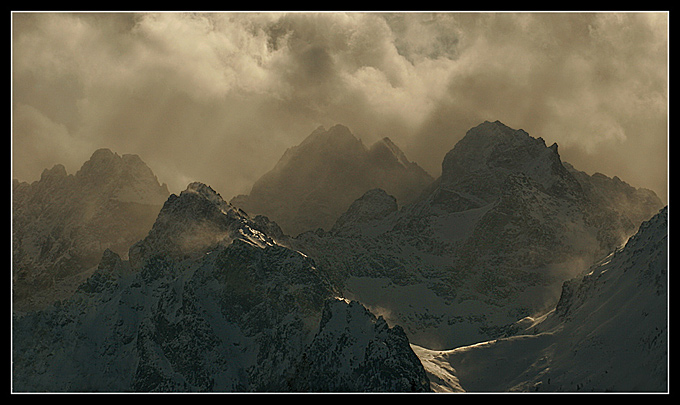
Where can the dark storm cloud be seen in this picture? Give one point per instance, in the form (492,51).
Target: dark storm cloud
(219,97)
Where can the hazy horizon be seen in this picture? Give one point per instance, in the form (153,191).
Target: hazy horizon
(218,97)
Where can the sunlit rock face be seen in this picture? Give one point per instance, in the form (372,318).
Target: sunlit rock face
(62,223)
(317,180)
(209,302)
(491,241)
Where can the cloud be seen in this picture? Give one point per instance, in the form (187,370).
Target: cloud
(594,83)
(218,97)
(42,140)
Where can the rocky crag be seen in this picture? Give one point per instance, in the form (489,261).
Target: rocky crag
(315,181)
(209,301)
(62,223)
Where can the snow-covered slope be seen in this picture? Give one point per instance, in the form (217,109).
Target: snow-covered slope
(62,223)
(608,332)
(489,243)
(209,301)
(315,181)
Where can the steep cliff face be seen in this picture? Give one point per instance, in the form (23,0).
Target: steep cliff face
(209,302)
(63,223)
(314,182)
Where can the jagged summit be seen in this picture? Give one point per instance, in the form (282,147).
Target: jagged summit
(63,223)
(206,192)
(315,181)
(102,165)
(57,171)
(198,202)
(481,162)
(494,146)
(336,134)
(126,178)
(197,220)
(337,142)
(636,204)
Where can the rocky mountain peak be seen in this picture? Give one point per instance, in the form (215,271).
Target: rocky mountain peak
(207,193)
(315,181)
(125,178)
(56,172)
(196,221)
(103,162)
(492,146)
(337,138)
(63,223)
(208,303)
(480,162)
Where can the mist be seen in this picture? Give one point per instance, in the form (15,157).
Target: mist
(219,97)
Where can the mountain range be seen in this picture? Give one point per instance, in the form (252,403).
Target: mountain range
(492,277)
(491,240)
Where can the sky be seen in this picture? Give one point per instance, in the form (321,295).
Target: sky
(218,97)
